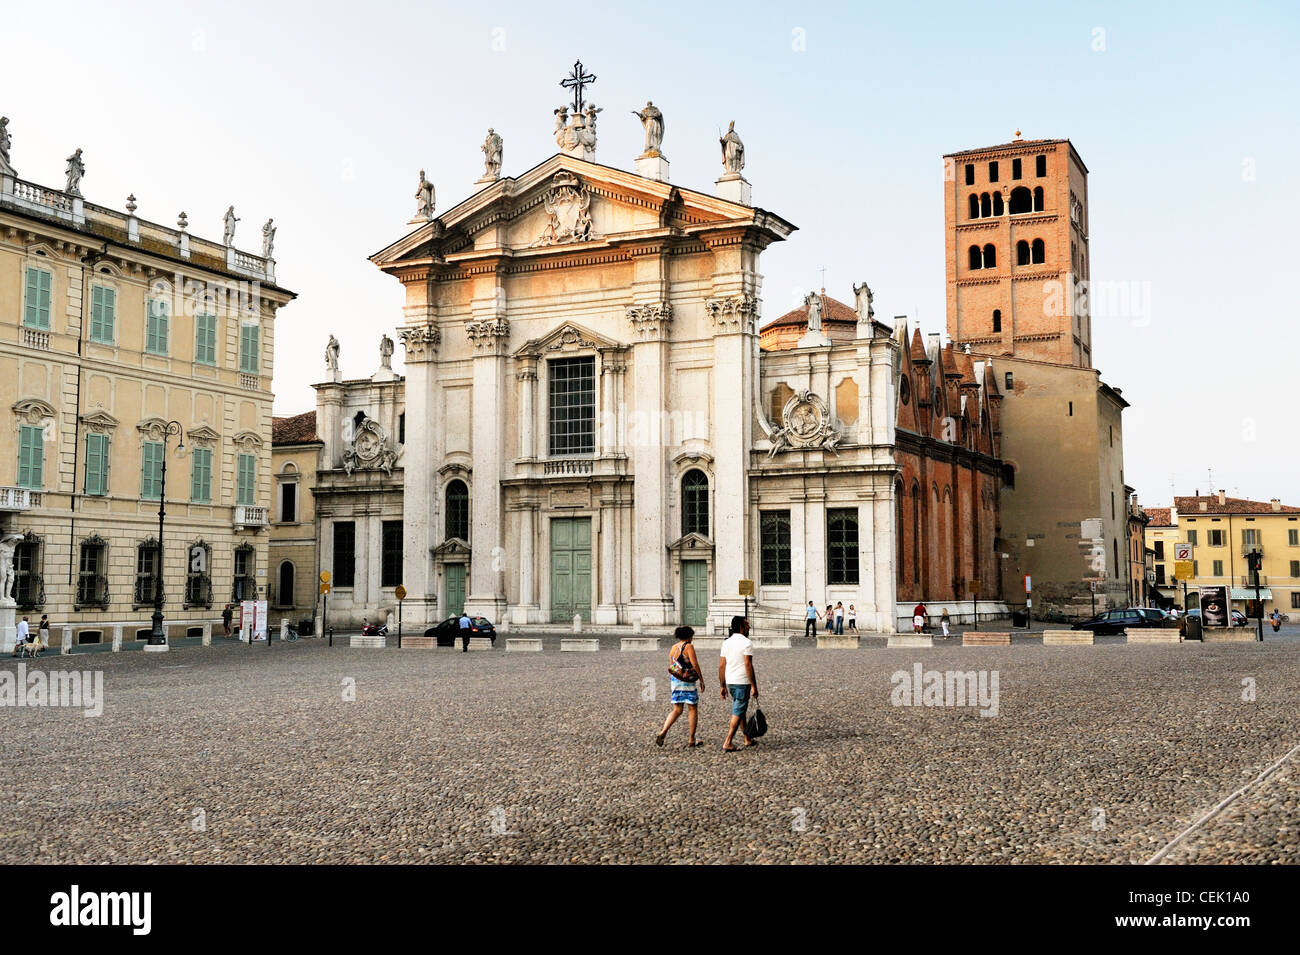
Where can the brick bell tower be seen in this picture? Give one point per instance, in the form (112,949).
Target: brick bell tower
(1016,228)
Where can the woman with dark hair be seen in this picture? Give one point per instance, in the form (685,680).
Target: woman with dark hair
(686,679)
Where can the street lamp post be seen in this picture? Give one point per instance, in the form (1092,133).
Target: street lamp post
(157,637)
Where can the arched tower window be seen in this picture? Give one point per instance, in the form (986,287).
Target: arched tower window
(997,203)
(975,257)
(1040,251)
(695,503)
(1022,252)
(1022,200)
(990,256)
(997,319)
(284,591)
(974,206)
(1038,198)
(457,511)
(986,205)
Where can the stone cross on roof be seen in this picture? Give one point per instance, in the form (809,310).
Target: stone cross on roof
(576,81)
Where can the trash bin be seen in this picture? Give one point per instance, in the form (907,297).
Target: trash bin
(305,627)
(1019,618)
(1193,625)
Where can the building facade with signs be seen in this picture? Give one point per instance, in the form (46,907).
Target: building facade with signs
(114,331)
(293,591)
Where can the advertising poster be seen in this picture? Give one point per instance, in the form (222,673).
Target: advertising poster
(1214,606)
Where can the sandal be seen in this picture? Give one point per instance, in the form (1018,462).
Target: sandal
(694,744)
(731,749)
(659,739)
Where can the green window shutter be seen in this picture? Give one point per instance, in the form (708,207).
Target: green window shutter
(37,312)
(103,310)
(31,457)
(205,339)
(151,471)
(157,333)
(248,335)
(247,475)
(96,464)
(201,476)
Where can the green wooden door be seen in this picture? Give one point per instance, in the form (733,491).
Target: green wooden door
(570,568)
(455,589)
(695,593)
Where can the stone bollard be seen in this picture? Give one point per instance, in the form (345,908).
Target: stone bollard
(117,637)
(636,625)
(284,629)
(577,623)
(392,623)
(207,634)
(67,640)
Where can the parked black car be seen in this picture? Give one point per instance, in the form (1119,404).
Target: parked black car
(1117,621)
(1239,619)
(448,632)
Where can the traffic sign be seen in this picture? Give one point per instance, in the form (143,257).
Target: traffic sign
(400,592)
(324,576)
(1182,552)
(1184,570)
(324,588)
(1029,584)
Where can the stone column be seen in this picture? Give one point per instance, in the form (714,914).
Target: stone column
(651,594)
(525,611)
(607,606)
(420,473)
(489,336)
(527,378)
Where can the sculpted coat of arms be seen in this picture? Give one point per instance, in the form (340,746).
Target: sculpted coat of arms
(369,449)
(805,423)
(568,209)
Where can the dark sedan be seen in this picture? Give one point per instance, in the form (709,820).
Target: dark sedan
(448,632)
(1117,621)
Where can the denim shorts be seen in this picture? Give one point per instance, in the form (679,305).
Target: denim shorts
(739,698)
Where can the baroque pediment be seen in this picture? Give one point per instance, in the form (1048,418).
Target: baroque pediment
(567,337)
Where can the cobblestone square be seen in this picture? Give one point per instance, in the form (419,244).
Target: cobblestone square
(230,754)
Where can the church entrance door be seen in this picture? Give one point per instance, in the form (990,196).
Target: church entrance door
(455,589)
(570,568)
(695,592)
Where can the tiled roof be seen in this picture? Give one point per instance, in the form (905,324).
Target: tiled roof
(1160,516)
(296,429)
(833,310)
(1231,505)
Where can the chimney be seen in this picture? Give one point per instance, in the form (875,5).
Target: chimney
(1275,503)
(1223,497)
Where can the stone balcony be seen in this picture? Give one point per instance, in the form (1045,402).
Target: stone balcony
(247,516)
(18,499)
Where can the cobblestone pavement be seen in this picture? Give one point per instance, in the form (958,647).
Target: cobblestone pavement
(232,754)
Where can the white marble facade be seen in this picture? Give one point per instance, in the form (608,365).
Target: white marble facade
(654,290)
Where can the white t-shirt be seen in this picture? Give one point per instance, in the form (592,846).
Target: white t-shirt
(734,650)
(21,635)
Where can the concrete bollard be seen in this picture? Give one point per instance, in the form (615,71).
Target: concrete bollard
(636,625)
(392,623)
(577,623)
(117,638)
(207,634)
(67,640)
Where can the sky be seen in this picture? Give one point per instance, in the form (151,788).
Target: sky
(323,114)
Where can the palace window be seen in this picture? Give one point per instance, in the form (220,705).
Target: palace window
(842,546)
(975,257)
(345,561)
(289,502)
(993,172)
(990,256)
(1009,380)
(198,576)
(201,476)
(573,405)
(457,516)
(1022,200)
(1293,537)
(29,583)
(695,503)
(248,354)
(1191,538)
(96,464)
(1038,198)
(92,582)
(1015,169)
(390,571)
(974,206)
(997,203)
(36,311)
(151,468)
(1295,568)
(245,583)
(157,334)
(1216,538)
(997,319)
(146,573)
(103,309)
(1040,165)
(774,532)
(246,480)
(31,457)
(970,174)
(205,339)
(1218,568)
(1022,252)
(986,205)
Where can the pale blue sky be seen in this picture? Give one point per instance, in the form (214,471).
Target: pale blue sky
(321,115)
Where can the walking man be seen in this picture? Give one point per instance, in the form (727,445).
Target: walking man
(736,678)
(918,617)
(227,616)
(810,623)
(21,636)
(464,632)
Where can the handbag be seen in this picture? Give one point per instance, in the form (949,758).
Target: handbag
(680,667)
(756,724)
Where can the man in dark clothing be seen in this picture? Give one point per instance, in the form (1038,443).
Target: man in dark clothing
(226,616)
(464,632)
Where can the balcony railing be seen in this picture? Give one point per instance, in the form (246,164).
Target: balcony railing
(15,499)
(92,592)
(198,591)
(248,516)
(1249,581)
(568,466)
(29,591)
(245,588)
(1249,546)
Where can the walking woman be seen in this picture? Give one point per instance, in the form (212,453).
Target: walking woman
(686,679)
